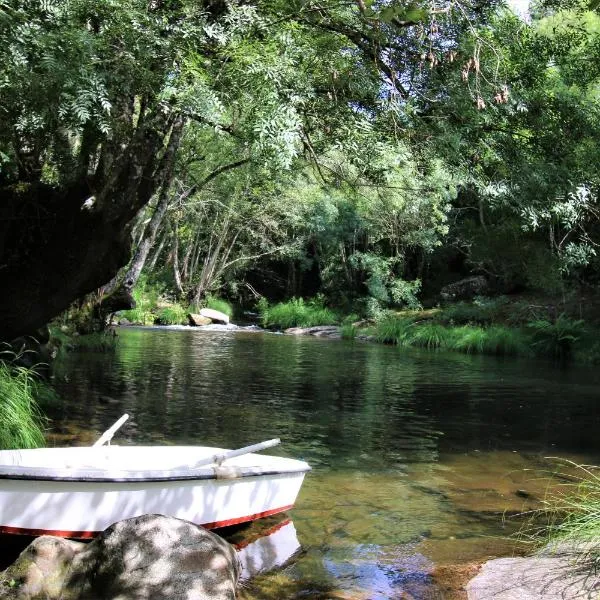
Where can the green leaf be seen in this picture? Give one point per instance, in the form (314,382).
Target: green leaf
(594,4)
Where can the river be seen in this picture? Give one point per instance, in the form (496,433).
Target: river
(419,458)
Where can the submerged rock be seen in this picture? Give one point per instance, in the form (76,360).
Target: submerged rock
(465,289)
(151,556)
(215,316)
(330,331)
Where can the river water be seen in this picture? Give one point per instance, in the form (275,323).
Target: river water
(419,458)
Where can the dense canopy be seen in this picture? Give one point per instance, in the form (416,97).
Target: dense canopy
(361,149)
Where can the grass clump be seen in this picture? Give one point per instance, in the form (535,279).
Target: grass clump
(297,313)
(570,517)
(21,420)
(171,315)
(348,331)
(393,330)
(468,339)
(220,305)
(428,335)
(503,341)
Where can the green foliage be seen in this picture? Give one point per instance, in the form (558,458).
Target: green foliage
(503,341)
(21,421)
(146,296)
(348,331)
(172,315)
(105,341)
(555,339)
(298,313)
(570,516)
(468,339)
(220,305)
(391,329)
(428,335)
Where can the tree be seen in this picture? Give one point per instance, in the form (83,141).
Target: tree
(97,95)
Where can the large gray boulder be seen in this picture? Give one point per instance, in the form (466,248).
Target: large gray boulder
(215,316)
(151,556)
(465,289)
(196,320)
(328,331)
(550,577)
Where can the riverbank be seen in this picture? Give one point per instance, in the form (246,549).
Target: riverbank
(501,326)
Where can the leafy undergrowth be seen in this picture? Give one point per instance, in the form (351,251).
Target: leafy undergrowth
(472,331)
(297,313)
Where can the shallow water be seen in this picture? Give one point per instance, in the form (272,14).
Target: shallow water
(419,459)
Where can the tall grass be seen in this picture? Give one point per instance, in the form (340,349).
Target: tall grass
(393,330)
(220,305)
(172,315)
(428,335)
(297,313)
(21,420)
(468,339)
(570,517)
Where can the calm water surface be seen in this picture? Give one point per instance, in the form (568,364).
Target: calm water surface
(419,459)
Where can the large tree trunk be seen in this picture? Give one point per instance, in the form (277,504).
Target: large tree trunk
(59,244)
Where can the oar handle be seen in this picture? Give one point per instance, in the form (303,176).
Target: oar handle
(108,434)
(217,459)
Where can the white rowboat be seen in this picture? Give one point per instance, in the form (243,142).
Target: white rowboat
(79,492)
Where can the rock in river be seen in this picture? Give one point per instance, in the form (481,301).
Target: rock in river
(552,576)
(198,320)
(215,316)
(151,556)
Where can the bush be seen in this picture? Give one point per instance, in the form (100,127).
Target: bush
(297,313)
(20,418)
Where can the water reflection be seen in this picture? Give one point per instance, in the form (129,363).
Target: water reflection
(417,457)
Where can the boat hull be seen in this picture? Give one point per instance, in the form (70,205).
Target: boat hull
(82,502)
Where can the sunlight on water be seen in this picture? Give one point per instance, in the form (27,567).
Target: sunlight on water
(419,459)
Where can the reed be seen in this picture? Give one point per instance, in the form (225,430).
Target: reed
(21,420)
(393,330)
(570,516)
(428,335)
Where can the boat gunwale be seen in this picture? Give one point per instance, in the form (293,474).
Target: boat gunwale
(223,473)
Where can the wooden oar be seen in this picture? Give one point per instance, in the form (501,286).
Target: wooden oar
(220,458)
(108,434)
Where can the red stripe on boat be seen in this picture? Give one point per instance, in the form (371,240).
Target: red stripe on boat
(85,535)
